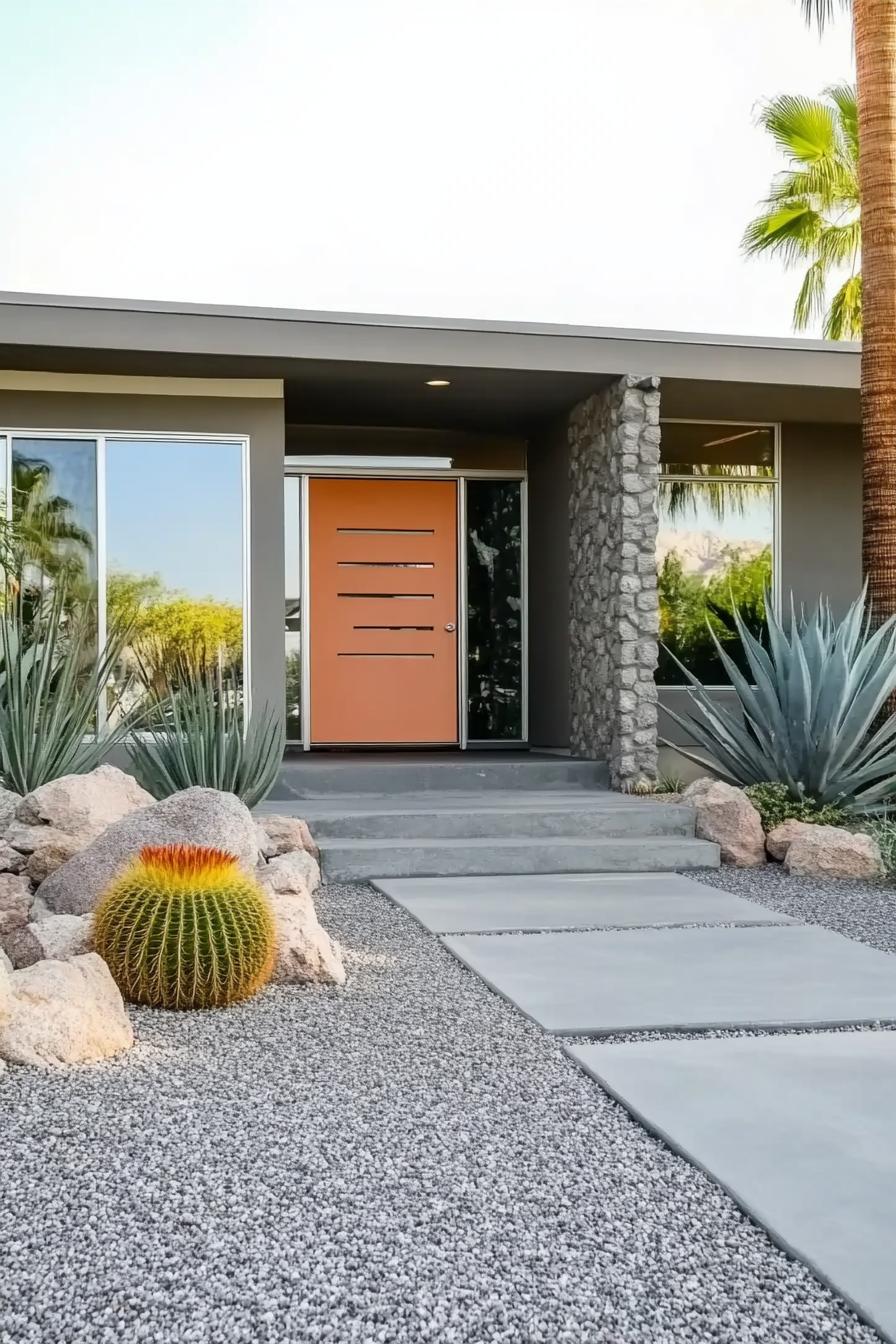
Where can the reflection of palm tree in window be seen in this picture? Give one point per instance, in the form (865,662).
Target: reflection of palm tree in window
(732,491)
(52,540)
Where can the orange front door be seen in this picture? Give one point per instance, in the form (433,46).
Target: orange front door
(383,619)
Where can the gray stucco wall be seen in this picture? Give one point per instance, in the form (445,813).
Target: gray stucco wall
(263,420)
(821,512)
(549,586)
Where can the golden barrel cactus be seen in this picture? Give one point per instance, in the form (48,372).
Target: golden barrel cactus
(183,927)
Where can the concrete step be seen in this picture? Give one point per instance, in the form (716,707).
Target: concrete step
(313,775)
(523,817)
(355,860)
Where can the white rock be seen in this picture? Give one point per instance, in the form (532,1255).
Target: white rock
(84,805)
(295,871)
(829,851)
(5,997)
(25,838)
(726,815)
(64,1012)
(306,954)
(286,833)
(9,801)
(11,860)
(15,902)
(266,847)
(52,852)
(779,840)
(193,817)
(40,910)
(59,937)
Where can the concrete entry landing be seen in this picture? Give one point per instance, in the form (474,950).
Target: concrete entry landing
(568,901)
(799,1129)
(592,984)
(462,814)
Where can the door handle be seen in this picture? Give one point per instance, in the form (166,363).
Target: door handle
(450,627)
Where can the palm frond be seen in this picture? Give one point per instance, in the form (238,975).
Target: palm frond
(843,96)
(812,212)
(844,317)
(810,299)
(791,232)
(804,129)
(840,244)
(821,12)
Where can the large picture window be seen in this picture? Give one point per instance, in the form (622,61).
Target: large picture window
(148,530)
(715,542)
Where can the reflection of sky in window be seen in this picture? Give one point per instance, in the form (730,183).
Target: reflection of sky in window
(752,522)
(73,466)
(175,509)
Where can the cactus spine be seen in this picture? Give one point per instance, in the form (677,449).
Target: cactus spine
(183,927)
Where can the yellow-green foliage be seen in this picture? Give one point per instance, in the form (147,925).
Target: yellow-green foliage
(169,628)
(182,927)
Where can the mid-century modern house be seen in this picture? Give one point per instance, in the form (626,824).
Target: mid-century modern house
(414,532)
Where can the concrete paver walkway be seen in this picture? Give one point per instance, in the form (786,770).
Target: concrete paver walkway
(798,1128)
(595,983)
(568,901)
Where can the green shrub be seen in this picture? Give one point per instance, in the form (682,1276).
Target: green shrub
(182,927)
(775,805)
(883,830)
(809,709)
(196,735)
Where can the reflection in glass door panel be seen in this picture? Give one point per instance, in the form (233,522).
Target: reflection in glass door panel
(292,534)
(494,610)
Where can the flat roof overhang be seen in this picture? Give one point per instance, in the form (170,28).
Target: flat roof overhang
(370,369)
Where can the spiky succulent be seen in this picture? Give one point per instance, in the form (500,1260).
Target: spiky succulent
(811,714)
(196,733)
(183,927)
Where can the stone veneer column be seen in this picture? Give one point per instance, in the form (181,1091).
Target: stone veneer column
(614,440)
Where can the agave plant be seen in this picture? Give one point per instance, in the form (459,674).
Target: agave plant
(196,734)
(809,712)
(53,681)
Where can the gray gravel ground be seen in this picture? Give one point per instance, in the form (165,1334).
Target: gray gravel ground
(865,911)
(407,1159)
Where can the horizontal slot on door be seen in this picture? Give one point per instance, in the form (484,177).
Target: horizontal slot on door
(384,564)
(385,531)
(385,655)
(423,597)
(393,627)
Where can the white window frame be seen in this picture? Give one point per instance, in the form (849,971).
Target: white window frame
(102,437)
(774,484)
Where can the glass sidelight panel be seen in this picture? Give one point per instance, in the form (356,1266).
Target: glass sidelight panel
(494,610)
(292,625)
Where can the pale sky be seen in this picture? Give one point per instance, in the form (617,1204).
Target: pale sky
(585,161)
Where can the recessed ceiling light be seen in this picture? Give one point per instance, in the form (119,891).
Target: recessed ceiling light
(438,382)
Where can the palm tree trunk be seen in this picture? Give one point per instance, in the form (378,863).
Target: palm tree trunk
(875,40)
